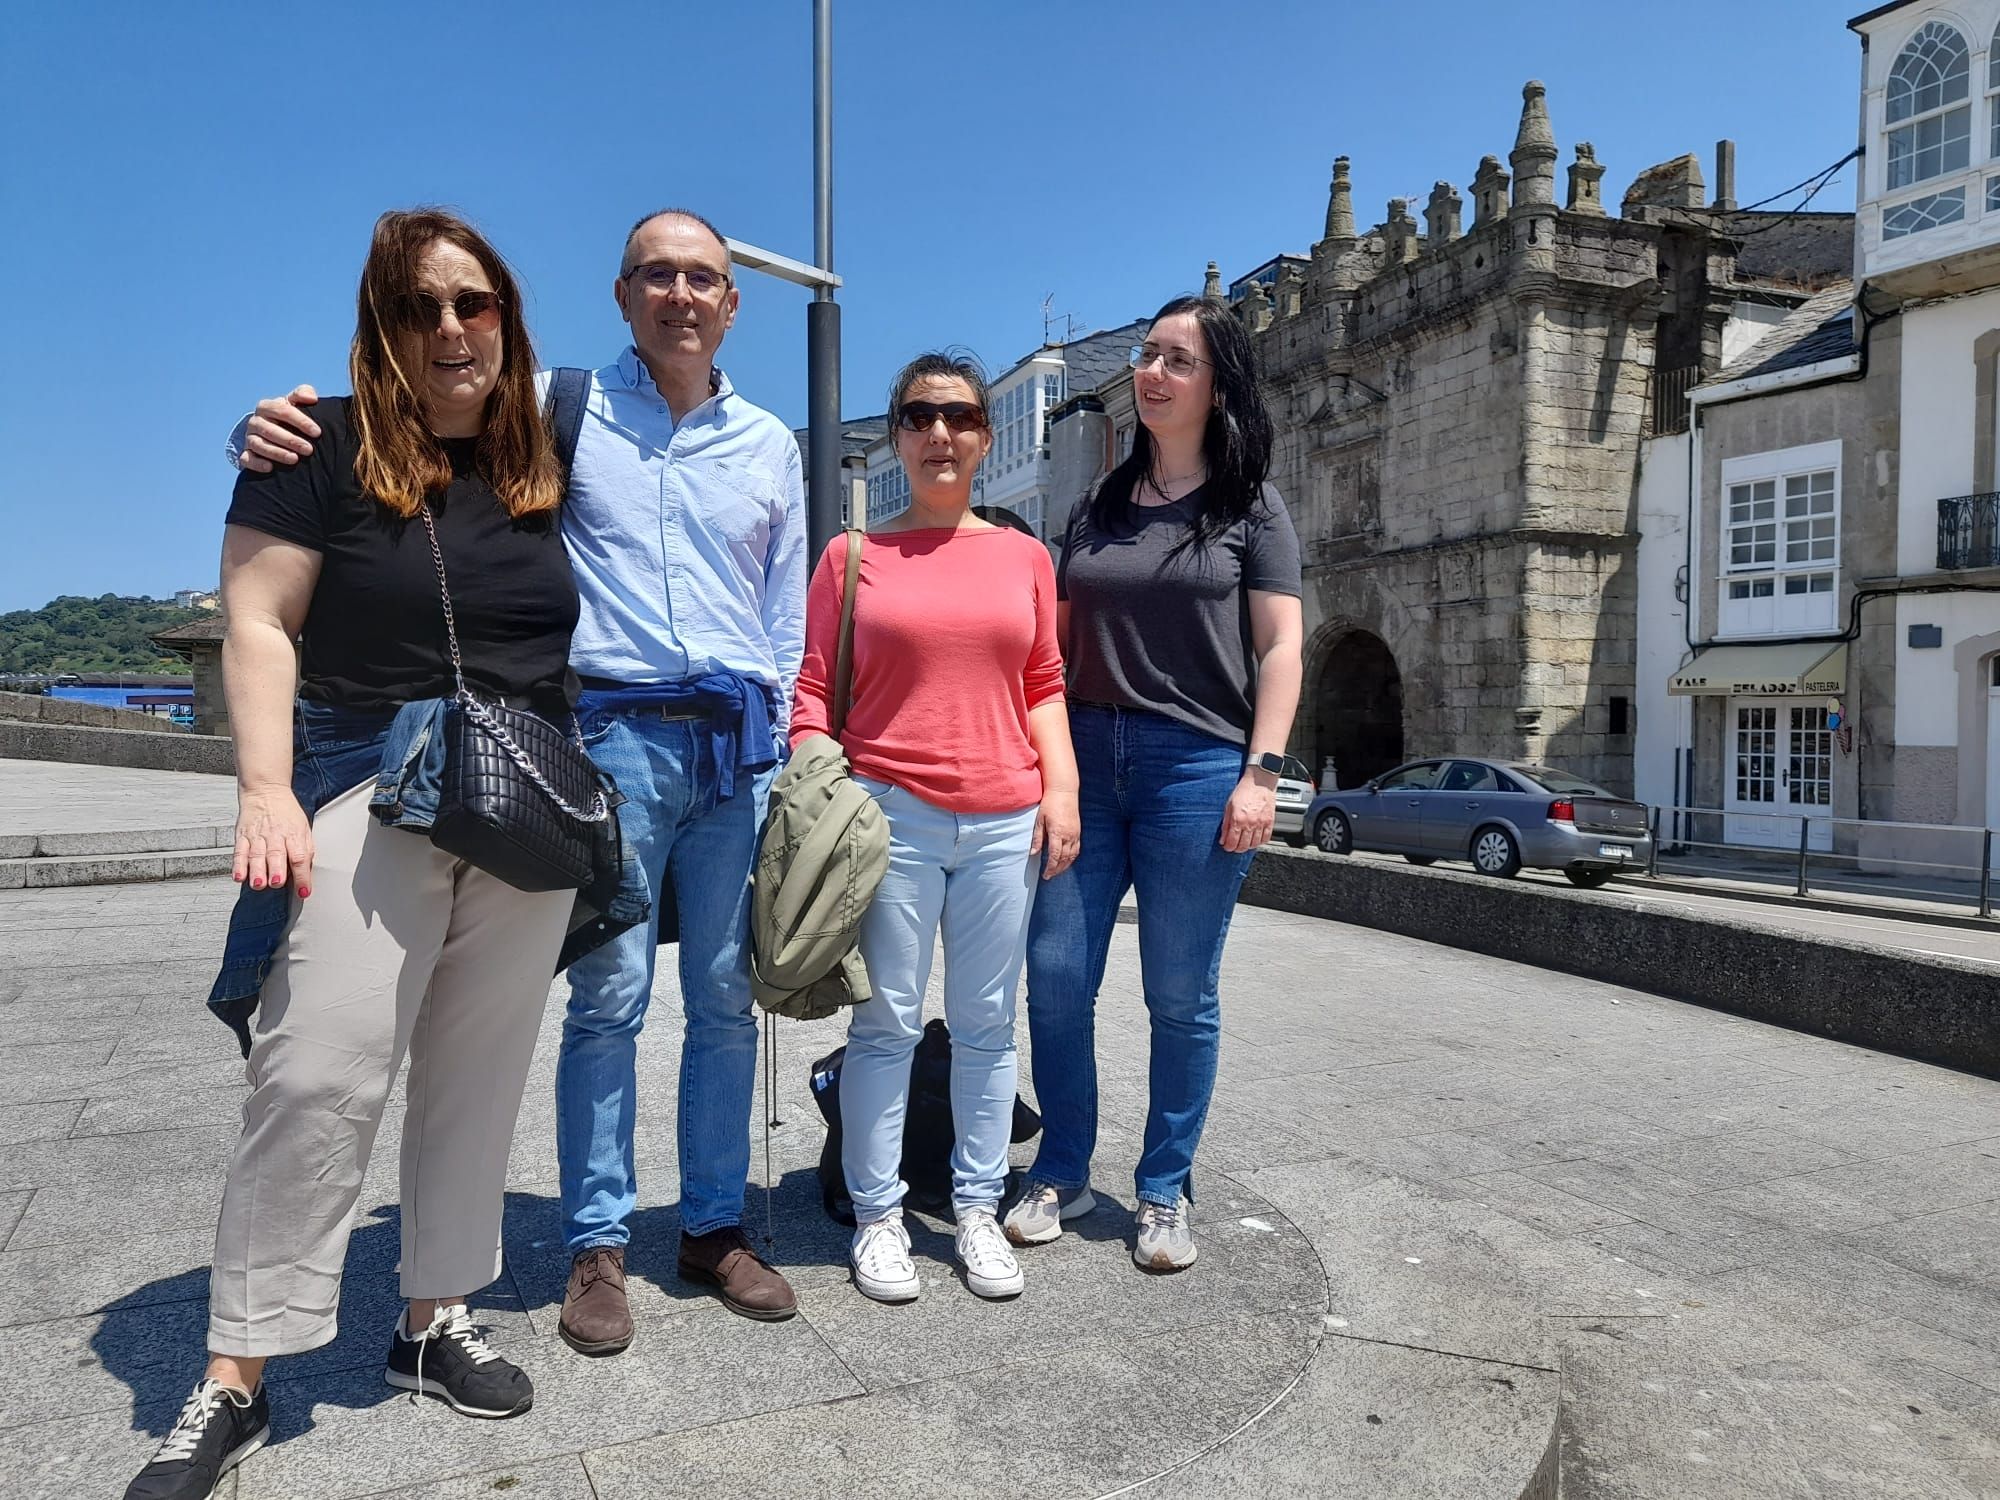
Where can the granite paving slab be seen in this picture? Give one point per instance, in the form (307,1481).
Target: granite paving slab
(1412,1193)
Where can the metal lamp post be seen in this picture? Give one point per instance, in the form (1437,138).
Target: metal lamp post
(824,496)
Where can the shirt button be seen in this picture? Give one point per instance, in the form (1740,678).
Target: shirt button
(662,410)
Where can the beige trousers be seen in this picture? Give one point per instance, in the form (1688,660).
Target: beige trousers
(399,948)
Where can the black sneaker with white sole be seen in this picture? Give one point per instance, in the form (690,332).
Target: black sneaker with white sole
(452,1362)
(217,1429)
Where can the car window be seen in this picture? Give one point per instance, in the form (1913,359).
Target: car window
(1469,776)
(1295,771)
(1418,778)
(1559,782)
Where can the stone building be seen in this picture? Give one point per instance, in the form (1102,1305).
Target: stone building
(1460,414)
(199,643)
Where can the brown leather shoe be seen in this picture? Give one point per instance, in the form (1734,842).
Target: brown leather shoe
(723,1259)
(595,1316)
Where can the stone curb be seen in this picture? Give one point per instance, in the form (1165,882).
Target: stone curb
(113,869)
(1941,1010)
(125,841)
(138,749)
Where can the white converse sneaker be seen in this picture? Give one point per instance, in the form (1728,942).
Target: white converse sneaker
(881,1259)
(990,1267)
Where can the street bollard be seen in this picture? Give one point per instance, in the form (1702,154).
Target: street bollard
(1805,834)
(1653,855)
(1986,875)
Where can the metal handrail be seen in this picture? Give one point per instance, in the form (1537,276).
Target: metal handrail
(1680,837)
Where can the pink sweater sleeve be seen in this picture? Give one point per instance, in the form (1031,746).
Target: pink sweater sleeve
(1042,679)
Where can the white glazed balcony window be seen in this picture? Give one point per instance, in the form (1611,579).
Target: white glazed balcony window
(1928,115)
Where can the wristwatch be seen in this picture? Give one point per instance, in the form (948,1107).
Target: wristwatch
(1275,764)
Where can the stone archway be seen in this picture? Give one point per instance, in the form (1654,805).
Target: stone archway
(1358,709)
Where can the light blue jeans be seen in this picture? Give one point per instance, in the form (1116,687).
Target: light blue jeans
(1152,798)
(969,877)
(675,825)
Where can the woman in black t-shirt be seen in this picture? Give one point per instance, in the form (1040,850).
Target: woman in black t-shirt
(1180,611)
(392,944)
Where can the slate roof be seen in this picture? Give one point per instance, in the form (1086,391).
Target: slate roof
(182,639)
(1097,358)
(1820,328)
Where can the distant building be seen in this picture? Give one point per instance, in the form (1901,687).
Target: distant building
(199,642)
(195,598)
(856,433)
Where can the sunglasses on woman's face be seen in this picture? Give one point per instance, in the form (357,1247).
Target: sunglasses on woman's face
(958,416)
(477,312)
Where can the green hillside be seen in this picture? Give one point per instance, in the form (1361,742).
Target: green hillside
(105,634)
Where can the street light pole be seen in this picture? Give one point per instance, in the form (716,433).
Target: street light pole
(826,497)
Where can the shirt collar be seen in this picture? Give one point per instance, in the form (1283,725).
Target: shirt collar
(632,370)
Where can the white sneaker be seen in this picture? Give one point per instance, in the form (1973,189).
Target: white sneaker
(990,1267)
(881,1259)
(1165,1242)
(1042,1210)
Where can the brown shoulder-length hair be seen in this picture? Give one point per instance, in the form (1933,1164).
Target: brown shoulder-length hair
(401,461)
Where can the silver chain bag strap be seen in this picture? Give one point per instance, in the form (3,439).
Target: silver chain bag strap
(521,800)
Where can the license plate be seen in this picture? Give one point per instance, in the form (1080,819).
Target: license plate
(1614,851)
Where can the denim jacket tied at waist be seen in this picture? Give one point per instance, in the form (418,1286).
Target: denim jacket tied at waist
(336,749)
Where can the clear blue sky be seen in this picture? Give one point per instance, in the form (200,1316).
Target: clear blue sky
(188,189)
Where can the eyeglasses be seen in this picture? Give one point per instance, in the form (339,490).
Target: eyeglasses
(959,416)
(1177,361)
(658,276)
(477,312)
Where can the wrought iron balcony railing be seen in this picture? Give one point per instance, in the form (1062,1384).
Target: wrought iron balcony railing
(1969,532)
(1668,411)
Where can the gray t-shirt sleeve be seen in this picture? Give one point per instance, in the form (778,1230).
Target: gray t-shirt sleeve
(1271,551)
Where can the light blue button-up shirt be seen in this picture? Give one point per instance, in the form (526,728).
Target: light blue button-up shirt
(688,542)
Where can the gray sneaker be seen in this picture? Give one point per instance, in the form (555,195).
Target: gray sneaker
(1039,1214)
(1166,1242)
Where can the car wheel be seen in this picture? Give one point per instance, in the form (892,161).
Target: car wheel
(1494,852)
(1590,878)
(1421,859)
(1333,833)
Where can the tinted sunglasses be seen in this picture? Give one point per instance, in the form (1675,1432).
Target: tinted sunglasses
(959,416)
(477,312)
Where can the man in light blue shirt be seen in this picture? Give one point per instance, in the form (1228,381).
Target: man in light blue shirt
(685,524)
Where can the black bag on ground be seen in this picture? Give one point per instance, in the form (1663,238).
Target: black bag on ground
(928,1130)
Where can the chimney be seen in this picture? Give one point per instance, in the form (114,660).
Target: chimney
(1725,174)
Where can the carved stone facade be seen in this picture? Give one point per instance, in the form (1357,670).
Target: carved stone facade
(1460,417)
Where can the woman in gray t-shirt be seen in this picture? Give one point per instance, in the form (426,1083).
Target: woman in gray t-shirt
(1179,608)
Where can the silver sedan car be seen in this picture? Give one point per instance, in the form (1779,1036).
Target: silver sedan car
(1500,815)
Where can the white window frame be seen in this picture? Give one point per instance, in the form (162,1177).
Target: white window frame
(1941,197)
(1930,35)
(1781,576)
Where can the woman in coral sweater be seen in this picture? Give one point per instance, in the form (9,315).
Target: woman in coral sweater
(957,727)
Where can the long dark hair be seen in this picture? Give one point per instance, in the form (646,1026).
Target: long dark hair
(400,462)
(1235,446)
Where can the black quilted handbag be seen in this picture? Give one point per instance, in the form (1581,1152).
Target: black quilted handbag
(520,800)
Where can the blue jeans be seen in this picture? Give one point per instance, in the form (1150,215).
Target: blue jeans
(1152,798)
(675,826)
(969,876)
